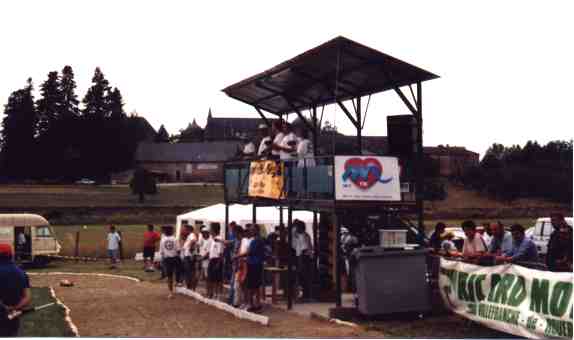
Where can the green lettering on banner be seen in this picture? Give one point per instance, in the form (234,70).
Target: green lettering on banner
(539,296)
(478,287)
(502,288)
(531,323)
(560,328)
(494,280)
(470,287)
(462,282)
(518,293)
(560,300)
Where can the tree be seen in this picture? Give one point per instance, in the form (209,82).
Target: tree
(162,135)
(69,98)
(19,129)
(96,99)
(116,105)
(50,104)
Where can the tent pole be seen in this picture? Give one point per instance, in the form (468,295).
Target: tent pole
(314,273)
(337,259)
(226,221)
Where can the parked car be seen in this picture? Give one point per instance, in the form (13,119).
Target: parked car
(85,181)
(541,233)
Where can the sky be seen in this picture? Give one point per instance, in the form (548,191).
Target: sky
(505,67)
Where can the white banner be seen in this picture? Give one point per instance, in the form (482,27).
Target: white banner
(510,298)
(367,178)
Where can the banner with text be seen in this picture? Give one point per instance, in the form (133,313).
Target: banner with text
(370,178)
(266,179)
(510,298)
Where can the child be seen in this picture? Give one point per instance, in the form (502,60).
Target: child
(114,240)
(168,249)
(215,267)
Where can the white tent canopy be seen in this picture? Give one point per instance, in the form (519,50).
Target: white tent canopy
(242,215)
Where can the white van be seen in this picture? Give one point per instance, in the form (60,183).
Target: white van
(541,233)
(30,236)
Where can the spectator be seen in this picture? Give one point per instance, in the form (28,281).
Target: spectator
(235,292)
(180,271)
(523,248)
(435,239)
(557,220)
(14,291)
(228,250)
(168,248)
(255,258)
(242,269)
(215,266)
(501,241)
(277,132)
(204,251)
(484,232)
(304,148)
(264,149)
(349,243)
(188,251)
(113,246)
(303,250)
(562,251)
(474,245)
(447,245)
(151,238)
(288,145)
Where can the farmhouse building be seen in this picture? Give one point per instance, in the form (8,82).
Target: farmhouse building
(452,159)
(186,162)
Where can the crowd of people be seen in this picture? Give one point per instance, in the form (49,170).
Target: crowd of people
(494,244)
(201,254)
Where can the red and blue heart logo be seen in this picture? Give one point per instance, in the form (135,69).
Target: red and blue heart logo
(364,173)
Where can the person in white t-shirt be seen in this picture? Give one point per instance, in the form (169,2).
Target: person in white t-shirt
(277,131)
(242,263)
(215,267)
(288,145)
(114,240)
(248,151)
(304,148)
(205,245)
(266,142)
(188,251)
(474,246)
(168,249)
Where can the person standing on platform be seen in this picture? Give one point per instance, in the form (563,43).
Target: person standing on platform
(151,238)
(304,148)
(14,292)
(168,248)
(265,145)
(278,134)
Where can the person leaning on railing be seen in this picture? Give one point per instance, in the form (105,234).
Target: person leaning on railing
(523,248)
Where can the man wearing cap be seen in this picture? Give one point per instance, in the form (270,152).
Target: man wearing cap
(14,291)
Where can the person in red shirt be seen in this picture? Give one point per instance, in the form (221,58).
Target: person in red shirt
(151,238)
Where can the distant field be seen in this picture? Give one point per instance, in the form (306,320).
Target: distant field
(53,196)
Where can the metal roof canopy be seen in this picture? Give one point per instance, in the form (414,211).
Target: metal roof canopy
(335,71)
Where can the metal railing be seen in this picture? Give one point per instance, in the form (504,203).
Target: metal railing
(304,179)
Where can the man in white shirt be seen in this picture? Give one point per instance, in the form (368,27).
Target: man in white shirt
(474,246)
(288,145)
(248,151)
(188,252)
(168,249)
(205,245)
(278,134)
(215,267)
(303,250)
(266,141)
(113,246)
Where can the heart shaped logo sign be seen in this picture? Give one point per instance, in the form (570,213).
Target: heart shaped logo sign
(364,173)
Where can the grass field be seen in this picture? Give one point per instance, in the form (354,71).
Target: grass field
(48,322)
(54,196)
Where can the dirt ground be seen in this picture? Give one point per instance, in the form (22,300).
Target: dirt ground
(104,307)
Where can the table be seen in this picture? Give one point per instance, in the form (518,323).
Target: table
(276,275)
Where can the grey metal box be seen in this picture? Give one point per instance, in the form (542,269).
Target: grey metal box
(391,281)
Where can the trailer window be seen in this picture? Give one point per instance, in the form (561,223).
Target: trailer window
(43,231)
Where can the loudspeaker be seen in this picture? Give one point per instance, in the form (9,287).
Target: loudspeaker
(402,135)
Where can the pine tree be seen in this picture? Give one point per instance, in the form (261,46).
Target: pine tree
(70,99)
(162,135)
(49,106)
(116,105)
(96,99)
(19,130)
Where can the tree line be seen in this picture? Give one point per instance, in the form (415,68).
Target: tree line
(531,171)
(58,138)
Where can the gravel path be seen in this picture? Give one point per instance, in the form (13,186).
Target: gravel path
(102,306)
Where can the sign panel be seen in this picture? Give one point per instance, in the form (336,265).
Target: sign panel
(266,179)
(509,298)
(367,178)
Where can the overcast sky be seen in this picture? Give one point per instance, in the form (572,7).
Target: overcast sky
(505,66)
